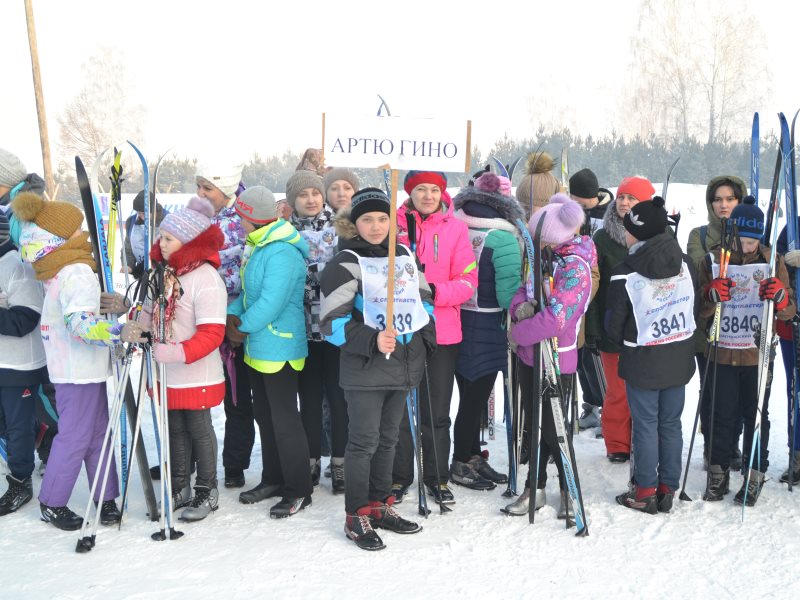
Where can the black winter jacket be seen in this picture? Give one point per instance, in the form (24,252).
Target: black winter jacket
(649,367)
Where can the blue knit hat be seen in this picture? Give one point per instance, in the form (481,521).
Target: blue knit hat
(749,219)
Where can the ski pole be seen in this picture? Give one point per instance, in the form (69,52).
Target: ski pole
(442,508)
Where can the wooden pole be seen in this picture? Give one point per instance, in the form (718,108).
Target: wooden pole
(37,90)
(392,253)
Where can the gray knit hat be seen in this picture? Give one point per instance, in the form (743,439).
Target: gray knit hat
(340,173)
(12,171)
(257,205)
(301,180)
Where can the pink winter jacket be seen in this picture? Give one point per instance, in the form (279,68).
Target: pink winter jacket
(565,306)
(444,249)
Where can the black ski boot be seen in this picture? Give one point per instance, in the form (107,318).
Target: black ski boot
(288,507)
(19,492)
(358,527)
(261,492)
(752,489)
(719,483)
(61,517)
(665,495)
(399,491)
(234,478)
(485,470)
(109,513)
(785,475)
(337,478)
(385,517)
(441,493)
(316,470)
(642,499)
(464,473)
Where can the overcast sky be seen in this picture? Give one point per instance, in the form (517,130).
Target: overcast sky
(256,76)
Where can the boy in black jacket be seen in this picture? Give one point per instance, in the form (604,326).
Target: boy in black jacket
(652,316)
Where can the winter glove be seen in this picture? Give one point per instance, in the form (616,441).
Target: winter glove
(772,289)
(719,290)
(792,258)
(235,337)
(133,332)
(112,302)
(169,353)
(525,310)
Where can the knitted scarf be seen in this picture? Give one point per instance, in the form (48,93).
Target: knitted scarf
(73,251)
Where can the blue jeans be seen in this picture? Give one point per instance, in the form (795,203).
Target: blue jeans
(657,439)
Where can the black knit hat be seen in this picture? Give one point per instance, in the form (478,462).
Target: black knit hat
(646,219)
(369,200)
(583,184)
(138,201)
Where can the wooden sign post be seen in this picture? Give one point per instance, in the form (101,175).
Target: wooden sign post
(396,143)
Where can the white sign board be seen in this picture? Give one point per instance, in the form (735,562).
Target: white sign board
(402,143)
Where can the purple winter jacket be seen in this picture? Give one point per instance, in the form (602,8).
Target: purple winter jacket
(564,307)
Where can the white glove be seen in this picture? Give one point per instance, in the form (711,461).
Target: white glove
(525,310)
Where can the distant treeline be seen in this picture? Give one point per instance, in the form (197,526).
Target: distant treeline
(611,157)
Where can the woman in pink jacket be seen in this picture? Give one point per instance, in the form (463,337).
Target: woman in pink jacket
(426,224)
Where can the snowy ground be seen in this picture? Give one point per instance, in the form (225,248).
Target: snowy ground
(699,550)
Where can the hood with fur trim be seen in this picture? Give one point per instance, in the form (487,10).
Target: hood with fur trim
(612,223)
(506,207)
(345,228)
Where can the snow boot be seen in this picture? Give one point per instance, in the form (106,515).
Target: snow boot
(316,470)
(521,505)
(618,458)
(234,478)
(358,527)
(337,477)
(441,493)
(261,492)
(19,492)
(205,501)
(182,497)
(109,513)
(485,470)
(642,499)
(719,483)
(590,417)
(288,507)
(784,475)
(399,491)
(462,473)
(665,495)
(566,501)
(751,489)
(61,517)
(385,517)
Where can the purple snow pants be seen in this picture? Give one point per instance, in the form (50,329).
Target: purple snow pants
(82,422)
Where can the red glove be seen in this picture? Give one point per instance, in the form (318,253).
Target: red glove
(719,290)
(772,289)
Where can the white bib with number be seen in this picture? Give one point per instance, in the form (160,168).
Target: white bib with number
(478,239)
(409,313)
(663,308)
(741,315)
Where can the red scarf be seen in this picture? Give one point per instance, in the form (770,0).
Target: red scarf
(195,253)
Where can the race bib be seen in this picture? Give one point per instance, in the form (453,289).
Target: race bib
(409,313)
(741,315)
(663,308)
(321,245)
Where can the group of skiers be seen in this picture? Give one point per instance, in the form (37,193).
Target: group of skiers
(278,310)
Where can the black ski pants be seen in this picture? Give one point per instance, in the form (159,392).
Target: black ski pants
(284,448)
(320,377)
(737,400)
(588,377)
(473,396)
(374,427)
(240,430)
(436,385)
(548,440)
(192,436)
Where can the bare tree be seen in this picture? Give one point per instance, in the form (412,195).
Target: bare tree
(698,70)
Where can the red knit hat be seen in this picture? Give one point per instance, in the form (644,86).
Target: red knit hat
(638,187)
(415,178)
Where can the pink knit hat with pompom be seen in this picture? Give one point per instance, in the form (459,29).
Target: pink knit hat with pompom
(491,183)
(563,216)
(187,223)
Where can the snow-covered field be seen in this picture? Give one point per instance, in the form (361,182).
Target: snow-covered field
(699,550)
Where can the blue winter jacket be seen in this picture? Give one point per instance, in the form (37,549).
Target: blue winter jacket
(270,304)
